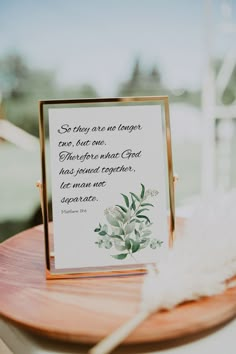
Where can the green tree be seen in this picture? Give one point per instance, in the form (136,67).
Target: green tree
(22,87)
(14,74)
(142,82)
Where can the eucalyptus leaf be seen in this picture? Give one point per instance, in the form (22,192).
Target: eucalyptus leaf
(141,226)
(135,196)
(143,217)
(118,217)
(128,244)
(133,205)
(126,199)
(129,228)
(119,214)
(145,240)
(117,231)
(120,256)
(138,221)
(127,215)
(117,237)
(121,232)
(146,233)
(105,228)
(120,246)
(141,210)
(112,221)
(102,233)
(122,208)
(108,244)
(99,243)
(145,226)
(137,234)
(142,191)
(144,243)
(147,204)
(135,246)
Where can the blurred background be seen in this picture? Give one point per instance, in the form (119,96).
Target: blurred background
(86,48)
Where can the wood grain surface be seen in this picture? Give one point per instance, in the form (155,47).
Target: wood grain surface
(86,310)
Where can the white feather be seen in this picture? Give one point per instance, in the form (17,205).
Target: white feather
(201,260)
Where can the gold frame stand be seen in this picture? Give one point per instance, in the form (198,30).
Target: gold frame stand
(51,272)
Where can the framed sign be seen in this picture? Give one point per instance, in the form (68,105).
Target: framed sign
(107,164)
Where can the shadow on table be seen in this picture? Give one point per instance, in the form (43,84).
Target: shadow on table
(150,348)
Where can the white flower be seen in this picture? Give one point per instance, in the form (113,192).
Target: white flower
(150,193)
(108,210)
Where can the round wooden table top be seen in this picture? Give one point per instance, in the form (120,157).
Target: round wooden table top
(86,310)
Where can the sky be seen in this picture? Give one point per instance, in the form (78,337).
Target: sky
(97,41)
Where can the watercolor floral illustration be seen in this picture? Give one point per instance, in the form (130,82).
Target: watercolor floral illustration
(128,227)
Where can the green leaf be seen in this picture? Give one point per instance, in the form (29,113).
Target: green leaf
(142,191)
(133,205)
(147,204)
(122,208)
(141,225)
(112,221)
(141,210)
(117,237)
(132,220)
(137,234)
(127,215)
(102,233)
(138,221)
(119,245)
(144,243)
(129,228)
(143,217)
(135,196)
(117,230)
(120,256)
(135,246)
(118,217)
(105,228)
(119,214)
(146,225)
(108,244)
(155,243)
(97,229)
(146,233)
(128,244)
(99,243)
(126,199)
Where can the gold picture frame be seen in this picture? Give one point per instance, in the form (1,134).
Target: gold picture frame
(51,272)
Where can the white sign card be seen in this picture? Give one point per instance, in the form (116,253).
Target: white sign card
(108,185)
(109,181)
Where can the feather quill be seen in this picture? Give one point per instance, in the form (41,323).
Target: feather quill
(201,262)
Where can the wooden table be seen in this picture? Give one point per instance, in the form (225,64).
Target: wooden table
(82,311)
